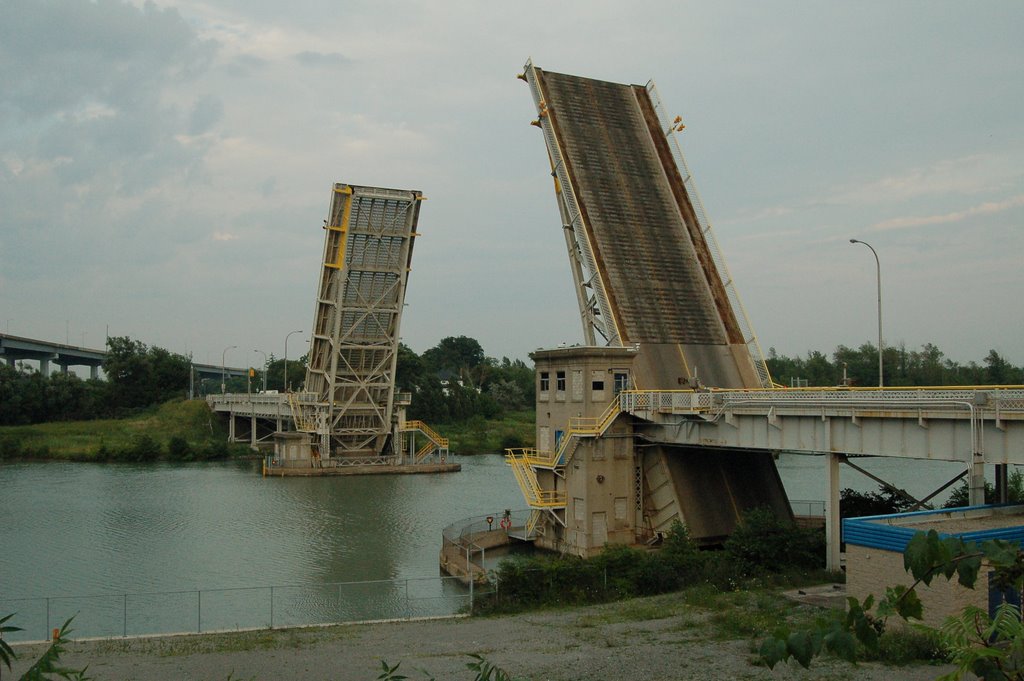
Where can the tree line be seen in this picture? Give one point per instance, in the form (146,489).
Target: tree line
(451,382)
(137,377)
(900,366)
(455,381)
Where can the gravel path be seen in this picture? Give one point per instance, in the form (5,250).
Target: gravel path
(652,638)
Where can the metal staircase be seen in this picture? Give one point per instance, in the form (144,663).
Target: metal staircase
(435,444)
(526,462)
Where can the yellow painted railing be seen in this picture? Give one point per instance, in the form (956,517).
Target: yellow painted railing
(595,426)
(434,440)
(535,496)
(532,522)
(524,461)
(302,422)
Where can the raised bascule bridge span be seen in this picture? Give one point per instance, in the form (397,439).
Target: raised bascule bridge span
(667,412)
(349,418)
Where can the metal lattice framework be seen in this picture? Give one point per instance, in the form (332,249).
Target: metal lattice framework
(595,309)
(350,379)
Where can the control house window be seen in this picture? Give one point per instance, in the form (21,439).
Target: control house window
(545,381)
(560,381)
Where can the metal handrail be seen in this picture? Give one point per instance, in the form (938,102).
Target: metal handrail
(1005,398)
(740,312)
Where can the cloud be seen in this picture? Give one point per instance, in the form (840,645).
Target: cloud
(987,208)
(310,58)
(970,174)
(207,112)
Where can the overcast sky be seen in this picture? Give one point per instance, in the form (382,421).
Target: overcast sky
(165,168)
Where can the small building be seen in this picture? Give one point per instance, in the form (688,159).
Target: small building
(594,479)
(875,546)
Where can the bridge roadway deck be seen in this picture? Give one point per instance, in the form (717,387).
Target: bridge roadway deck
(646,255)
(974,426)
(260,405)
(950,424)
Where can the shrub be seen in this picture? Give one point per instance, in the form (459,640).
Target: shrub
(142,448)
(179,449)
(511,441)
(762,542)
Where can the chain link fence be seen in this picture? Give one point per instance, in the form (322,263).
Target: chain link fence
(236,609)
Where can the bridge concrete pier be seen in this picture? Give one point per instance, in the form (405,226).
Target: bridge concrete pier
(833,523)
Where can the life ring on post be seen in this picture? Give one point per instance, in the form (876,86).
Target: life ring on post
(506,523)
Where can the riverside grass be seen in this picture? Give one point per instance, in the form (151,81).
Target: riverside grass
(479,435)
(190,420)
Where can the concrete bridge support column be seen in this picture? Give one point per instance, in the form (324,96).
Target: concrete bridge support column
(976,481)
(252,431)
(94,372)
(231,426)
(11,362)
(44,366)
(833,525)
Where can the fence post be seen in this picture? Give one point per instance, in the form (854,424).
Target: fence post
(47,637)
(124,629)
(271,607)
(199,612)
(471,580)
(606,579)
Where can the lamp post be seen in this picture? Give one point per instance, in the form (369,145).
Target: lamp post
(223,373)
(878,271)
(264,369)
(286,358)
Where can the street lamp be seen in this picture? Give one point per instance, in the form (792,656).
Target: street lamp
(878,271)
(223,373)
(264,369)
(286,358)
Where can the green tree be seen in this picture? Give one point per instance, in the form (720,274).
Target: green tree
(454,353)
(139,376)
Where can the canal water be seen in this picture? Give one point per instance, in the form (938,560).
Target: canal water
(106,530)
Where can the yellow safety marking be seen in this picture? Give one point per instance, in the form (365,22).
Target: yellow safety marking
(343,228)
(682,355)
(344,190)
(421,198)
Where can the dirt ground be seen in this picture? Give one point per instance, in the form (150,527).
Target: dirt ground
(651,638)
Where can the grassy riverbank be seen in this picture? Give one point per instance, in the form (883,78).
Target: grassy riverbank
(479,435)
(188,429)
(176,429)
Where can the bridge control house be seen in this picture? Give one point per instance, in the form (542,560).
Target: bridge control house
(591,481)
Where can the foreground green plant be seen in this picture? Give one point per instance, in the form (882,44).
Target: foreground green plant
(990,648)
(48,663)
(485,671)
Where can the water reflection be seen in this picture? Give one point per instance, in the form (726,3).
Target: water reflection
(83,529)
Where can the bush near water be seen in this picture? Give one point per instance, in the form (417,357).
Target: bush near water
(763,550)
